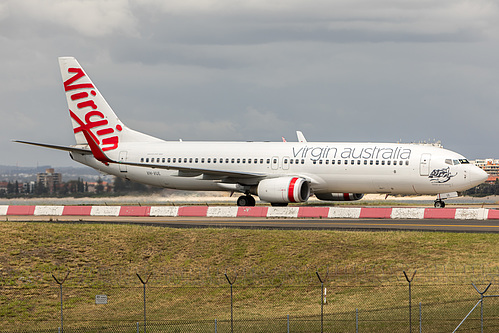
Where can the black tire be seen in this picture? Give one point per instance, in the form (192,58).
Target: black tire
(242,201)
(439,204)
(246,201)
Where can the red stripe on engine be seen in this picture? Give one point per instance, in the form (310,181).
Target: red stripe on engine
(291,190)
(346,196)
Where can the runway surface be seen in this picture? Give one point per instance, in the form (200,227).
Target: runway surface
(446,225)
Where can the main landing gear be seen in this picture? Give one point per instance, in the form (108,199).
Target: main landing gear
(246,201)
(439,203)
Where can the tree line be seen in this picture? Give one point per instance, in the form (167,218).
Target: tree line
(77,187)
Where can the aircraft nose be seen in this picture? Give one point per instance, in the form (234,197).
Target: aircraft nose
(477,176)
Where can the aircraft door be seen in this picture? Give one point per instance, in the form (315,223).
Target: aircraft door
(123,157)
(424,165)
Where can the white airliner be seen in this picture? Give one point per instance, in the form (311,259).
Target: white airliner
(277,172)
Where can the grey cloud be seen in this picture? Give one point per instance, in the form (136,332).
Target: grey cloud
(379,70)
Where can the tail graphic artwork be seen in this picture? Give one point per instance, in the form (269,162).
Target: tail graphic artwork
(88,109)
(91,113)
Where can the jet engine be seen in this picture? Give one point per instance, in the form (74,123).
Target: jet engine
(283,190)
(339,196)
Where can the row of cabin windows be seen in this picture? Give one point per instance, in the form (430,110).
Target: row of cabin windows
(267,161)
(209,160)
(358,162)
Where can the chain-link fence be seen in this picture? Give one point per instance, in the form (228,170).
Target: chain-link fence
(324,302)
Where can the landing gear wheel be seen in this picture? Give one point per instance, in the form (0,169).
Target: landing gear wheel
(439,204)
(246,201)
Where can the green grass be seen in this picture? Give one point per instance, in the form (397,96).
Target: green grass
(275,272)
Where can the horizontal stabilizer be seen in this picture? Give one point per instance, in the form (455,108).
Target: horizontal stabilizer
(65,148)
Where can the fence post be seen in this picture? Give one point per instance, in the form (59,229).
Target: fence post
(481,301)
(356,320)
(322,299)
(231,302)
(144,284)
(60,285)
(420,318)
(410,299)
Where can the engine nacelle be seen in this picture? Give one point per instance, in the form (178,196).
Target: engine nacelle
(339,196)
(283,190)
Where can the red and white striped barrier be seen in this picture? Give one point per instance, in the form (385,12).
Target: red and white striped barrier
(259,211)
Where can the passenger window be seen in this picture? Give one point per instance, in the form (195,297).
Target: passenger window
(371,162)
(302,161)
(352,162)
(339,162)
(388,162)
(320,161)
(290,161)
(314,161)
(249,160)
(221,160)
(238,160)
(226,160)
(185,160)
(261,161)
(327,161)
(142,159)
(365,162)
(147,160)
(275,161)
(174,160)
(202,160)
(394,162)
(244,160)
(190,160)
(382,162)
(163,160)
(358,162)
(406,162)
(232,160)
(208,160)
(169,160)
(377,162)
(214,160)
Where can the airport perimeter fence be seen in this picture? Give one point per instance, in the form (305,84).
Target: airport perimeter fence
(327,300)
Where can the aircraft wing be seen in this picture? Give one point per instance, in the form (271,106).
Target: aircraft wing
(193,172)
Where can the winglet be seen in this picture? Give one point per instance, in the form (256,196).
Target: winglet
(94,147)
(301,137)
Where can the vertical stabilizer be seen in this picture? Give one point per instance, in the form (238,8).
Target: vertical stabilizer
(90,112)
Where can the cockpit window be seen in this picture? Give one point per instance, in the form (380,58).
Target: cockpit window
(448,161)
(456,162)
(464,161)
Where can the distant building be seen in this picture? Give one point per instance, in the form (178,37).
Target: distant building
(50,179)
(490,166)
(3,187)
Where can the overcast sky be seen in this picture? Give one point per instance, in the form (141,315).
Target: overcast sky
(351,70)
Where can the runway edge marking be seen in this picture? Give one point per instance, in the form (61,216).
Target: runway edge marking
(260,211)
